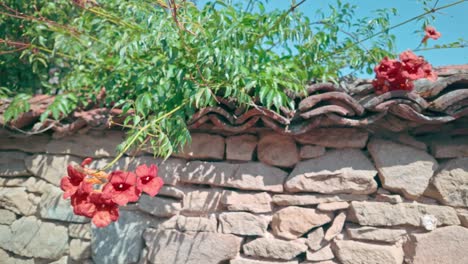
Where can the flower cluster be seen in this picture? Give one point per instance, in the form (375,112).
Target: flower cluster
(400,75)
(98,195)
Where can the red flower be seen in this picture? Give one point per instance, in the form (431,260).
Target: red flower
(388,69)
(429,73)
(148,180)
(81,203)
(121,187)
(105,212)
(86,162)
(432,33)
(71,184)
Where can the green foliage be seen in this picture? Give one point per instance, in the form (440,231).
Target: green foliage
(159,63)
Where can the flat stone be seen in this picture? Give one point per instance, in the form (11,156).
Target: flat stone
(121,242)
(87,145)
(12,182)
(320,262)
(352,252)
(202,201)
(204,147)
(388,198)
(322,254)
(30,144)
(250,202)
(36,185)
(30,237)
(370,233)
(80,249)
(160,207)
(292,222)
(333,206)
(312,199)
(385,214)
(171,191)
(450,148)
(6,217)
(315,239)
(241,260)
(12,164)
(311,151)
(53,206)
(274,248)
(463,216)
(336,227)
(166,246)
(50,167)
(402,169)
(250,176)
(7,259)
(17,201)
(338,171)
(244,224)
(82,231)
(451,183)
(197,224)
(335,137)
(278,150)
(426,248)
(241,147)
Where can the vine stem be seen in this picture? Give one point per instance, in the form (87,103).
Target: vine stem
(140,131)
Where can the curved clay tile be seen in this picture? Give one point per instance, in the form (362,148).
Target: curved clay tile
(444,101)
(409,113)
(312,100)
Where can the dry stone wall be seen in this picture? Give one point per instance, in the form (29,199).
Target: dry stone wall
(331,196)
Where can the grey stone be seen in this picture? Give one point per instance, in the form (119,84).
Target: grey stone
(310,152)
(203,146)
(197,224)
(352,252)
(166,246)
(49,167)
(322,254)
(202,201)
(315,239)
(250,176)
(451,183)
(53,206)
(171,191)
(443,245)
(463,215)
(31,237)
(241,260)
(80,249)
(36,185)
(292,222)
(17,201)
(278,150)
(6,217)
(335,137)
(244,224)
(12,164)
(87,145)
(312,199)
(82,231)
(31,144)
(333,206)
(402,168)
(158,206)
(251,202)
(370,233)
(241,147)
(338,171)
(450,147)
(336,227)
(385,214)
(120,242)
(274,248)
(7,259)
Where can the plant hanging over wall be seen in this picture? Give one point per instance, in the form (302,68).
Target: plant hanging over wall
(159,61)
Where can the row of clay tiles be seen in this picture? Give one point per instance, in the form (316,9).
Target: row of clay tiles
(350,104)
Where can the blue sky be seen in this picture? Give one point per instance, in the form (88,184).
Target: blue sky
(451,22)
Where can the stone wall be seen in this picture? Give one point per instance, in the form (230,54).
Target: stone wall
(330,196)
